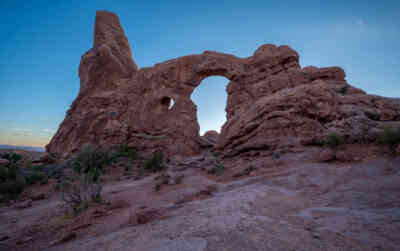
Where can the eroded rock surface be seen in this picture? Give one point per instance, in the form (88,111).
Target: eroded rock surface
(272,101)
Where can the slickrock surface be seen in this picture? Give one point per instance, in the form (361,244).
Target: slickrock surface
(293,204)
(273,103)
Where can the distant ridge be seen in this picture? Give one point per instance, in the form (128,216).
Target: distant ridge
(26,148)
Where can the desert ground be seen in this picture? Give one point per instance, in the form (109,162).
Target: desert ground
(286,201)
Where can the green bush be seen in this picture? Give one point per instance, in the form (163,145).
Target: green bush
(217,170)
(12,157)
(332,140)
(13,187)
(80,190)
(13,171)
(390,136)
(12,183)
(343,90)
(84,185)
(124,151)
(3,173)
(44,181)
(35,177)
(155,163)
(92,161)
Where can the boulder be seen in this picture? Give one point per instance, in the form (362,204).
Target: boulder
(327,154)
(40,196)
(344,156)
(175,178)
(45,159)
(23,204)
(211,137)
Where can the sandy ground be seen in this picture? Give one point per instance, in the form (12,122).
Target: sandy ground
(290,204)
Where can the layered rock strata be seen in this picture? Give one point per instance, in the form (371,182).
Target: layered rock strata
(272,101)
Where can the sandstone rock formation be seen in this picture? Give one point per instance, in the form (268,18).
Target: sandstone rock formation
(272,101)
(211,137)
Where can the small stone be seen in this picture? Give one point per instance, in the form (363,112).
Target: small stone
(316,235)
(326,155)
(41,196)
(5,237)
(344,156)
(99,213)
(28,239)
(67,237)
(23,204)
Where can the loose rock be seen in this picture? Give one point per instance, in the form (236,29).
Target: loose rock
(23,204)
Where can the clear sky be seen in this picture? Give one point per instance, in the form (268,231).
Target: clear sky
(41,43)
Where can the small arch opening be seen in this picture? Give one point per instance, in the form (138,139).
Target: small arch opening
(167,102)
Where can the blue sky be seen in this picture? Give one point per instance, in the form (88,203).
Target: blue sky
(41,43)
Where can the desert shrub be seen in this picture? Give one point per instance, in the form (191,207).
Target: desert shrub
(128,170)
(79,191)
(35,177)
(217,170)
(44,180)
(12,157)
(3,173)
(57,186)
(155,163)
(390,136)
(12,183)
(343,90)
(12,171)
(332,140)
(84,185)
(12,188)
(124,151)
(90,160)
(215,154)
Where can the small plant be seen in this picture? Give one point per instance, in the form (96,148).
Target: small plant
(217,170)
(155,163)
(332,140)
(12,157)
(44,181)
(78,192)
(343,90)
(123,151)
(390,136)
(3,173)
(215,154)
(127,151)
(57,186)
(12,183)
(90,160)
(128,168)
(12,188)
(35,177)
(84,186)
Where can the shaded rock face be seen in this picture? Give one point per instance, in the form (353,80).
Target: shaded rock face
(272,101)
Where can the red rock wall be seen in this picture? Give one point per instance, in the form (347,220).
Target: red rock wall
(272,101)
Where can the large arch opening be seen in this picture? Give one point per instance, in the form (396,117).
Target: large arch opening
(210,98)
